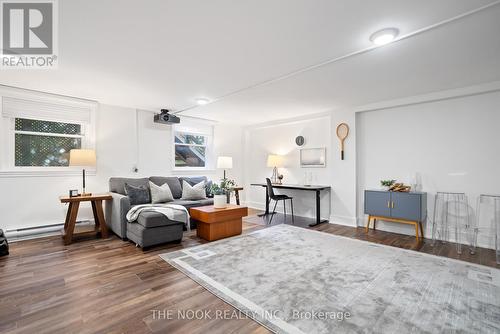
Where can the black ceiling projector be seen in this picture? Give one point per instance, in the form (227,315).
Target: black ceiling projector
(165,118)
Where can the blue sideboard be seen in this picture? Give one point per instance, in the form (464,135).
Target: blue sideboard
(399,207)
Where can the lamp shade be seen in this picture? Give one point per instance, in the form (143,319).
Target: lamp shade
(274,160)
(83,158)
(225,162)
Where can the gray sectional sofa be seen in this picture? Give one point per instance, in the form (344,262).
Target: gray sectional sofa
(151,228)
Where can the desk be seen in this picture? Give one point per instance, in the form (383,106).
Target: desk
(317,189)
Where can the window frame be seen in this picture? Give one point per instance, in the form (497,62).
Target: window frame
(7,137)
(208,150)
(11,151)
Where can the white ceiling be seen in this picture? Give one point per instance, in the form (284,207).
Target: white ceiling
(156,53)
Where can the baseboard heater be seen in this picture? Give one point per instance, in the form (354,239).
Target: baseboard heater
(38,231)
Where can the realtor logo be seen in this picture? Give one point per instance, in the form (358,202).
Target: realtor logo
(28,34)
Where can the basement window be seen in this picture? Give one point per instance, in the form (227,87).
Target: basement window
(192,145)
(190,150)
(40,143)
(39,130)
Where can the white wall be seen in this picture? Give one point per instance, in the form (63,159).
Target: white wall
(33,201)
(454,145)
(343,179)
(279,138)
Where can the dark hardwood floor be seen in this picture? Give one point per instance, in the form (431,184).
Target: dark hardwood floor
(110,286)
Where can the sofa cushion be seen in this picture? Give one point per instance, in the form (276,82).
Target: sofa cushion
(173,183)
(150,219)
(192,180)
(160,194)
(137,195)
(117,184)
(195,192)
(192,204)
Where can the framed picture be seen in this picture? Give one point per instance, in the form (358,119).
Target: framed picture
(313,157)
(73,193)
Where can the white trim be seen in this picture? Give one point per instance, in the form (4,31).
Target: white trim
(299,119)
(48,172)
(36,95)
(432,97)
(48,134)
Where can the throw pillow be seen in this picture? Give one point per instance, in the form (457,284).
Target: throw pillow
(137,194)
(192,180)
(160,194)
(195,192)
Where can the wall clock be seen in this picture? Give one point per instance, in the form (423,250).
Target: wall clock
(299,140)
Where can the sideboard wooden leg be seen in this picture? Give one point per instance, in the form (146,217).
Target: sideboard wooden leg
(368,224)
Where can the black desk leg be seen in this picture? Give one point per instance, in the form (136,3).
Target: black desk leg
(318,210)
(267,205)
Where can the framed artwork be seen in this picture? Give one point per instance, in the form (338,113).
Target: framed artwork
(313,157)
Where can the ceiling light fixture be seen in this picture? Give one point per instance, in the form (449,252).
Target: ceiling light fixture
(384,36)
(202,101)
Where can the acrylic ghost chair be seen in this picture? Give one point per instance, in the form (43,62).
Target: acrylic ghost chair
(451,214)
(488,219)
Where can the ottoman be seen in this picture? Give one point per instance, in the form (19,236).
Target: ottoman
(153,228)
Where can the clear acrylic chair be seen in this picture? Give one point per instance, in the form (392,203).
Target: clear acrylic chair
(488,219)
(451,214)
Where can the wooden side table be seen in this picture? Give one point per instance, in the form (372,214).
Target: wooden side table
(74,205)
(236,194)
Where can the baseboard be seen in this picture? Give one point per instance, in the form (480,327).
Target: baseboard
(343,220)
(279,209)
(484,240)
(39,231)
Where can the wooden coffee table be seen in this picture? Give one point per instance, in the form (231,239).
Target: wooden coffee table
(214,224)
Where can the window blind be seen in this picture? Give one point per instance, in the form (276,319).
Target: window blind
(62,112)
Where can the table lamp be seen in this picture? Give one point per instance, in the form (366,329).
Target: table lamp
(274,161)
(82,158)
(225,163)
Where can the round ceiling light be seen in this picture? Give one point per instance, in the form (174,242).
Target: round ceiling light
(384,36)
(202,101)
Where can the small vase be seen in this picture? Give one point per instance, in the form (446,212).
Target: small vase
(220,201)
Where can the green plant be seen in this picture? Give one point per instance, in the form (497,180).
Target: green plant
(225,186)
(387,183)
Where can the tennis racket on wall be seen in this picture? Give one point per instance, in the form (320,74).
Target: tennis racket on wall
(342,133)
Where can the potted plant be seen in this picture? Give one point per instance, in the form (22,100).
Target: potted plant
(386,184)
(221,192)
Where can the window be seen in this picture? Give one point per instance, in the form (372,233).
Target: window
(37,132)
(190,150)
(192,144)
(44,143)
